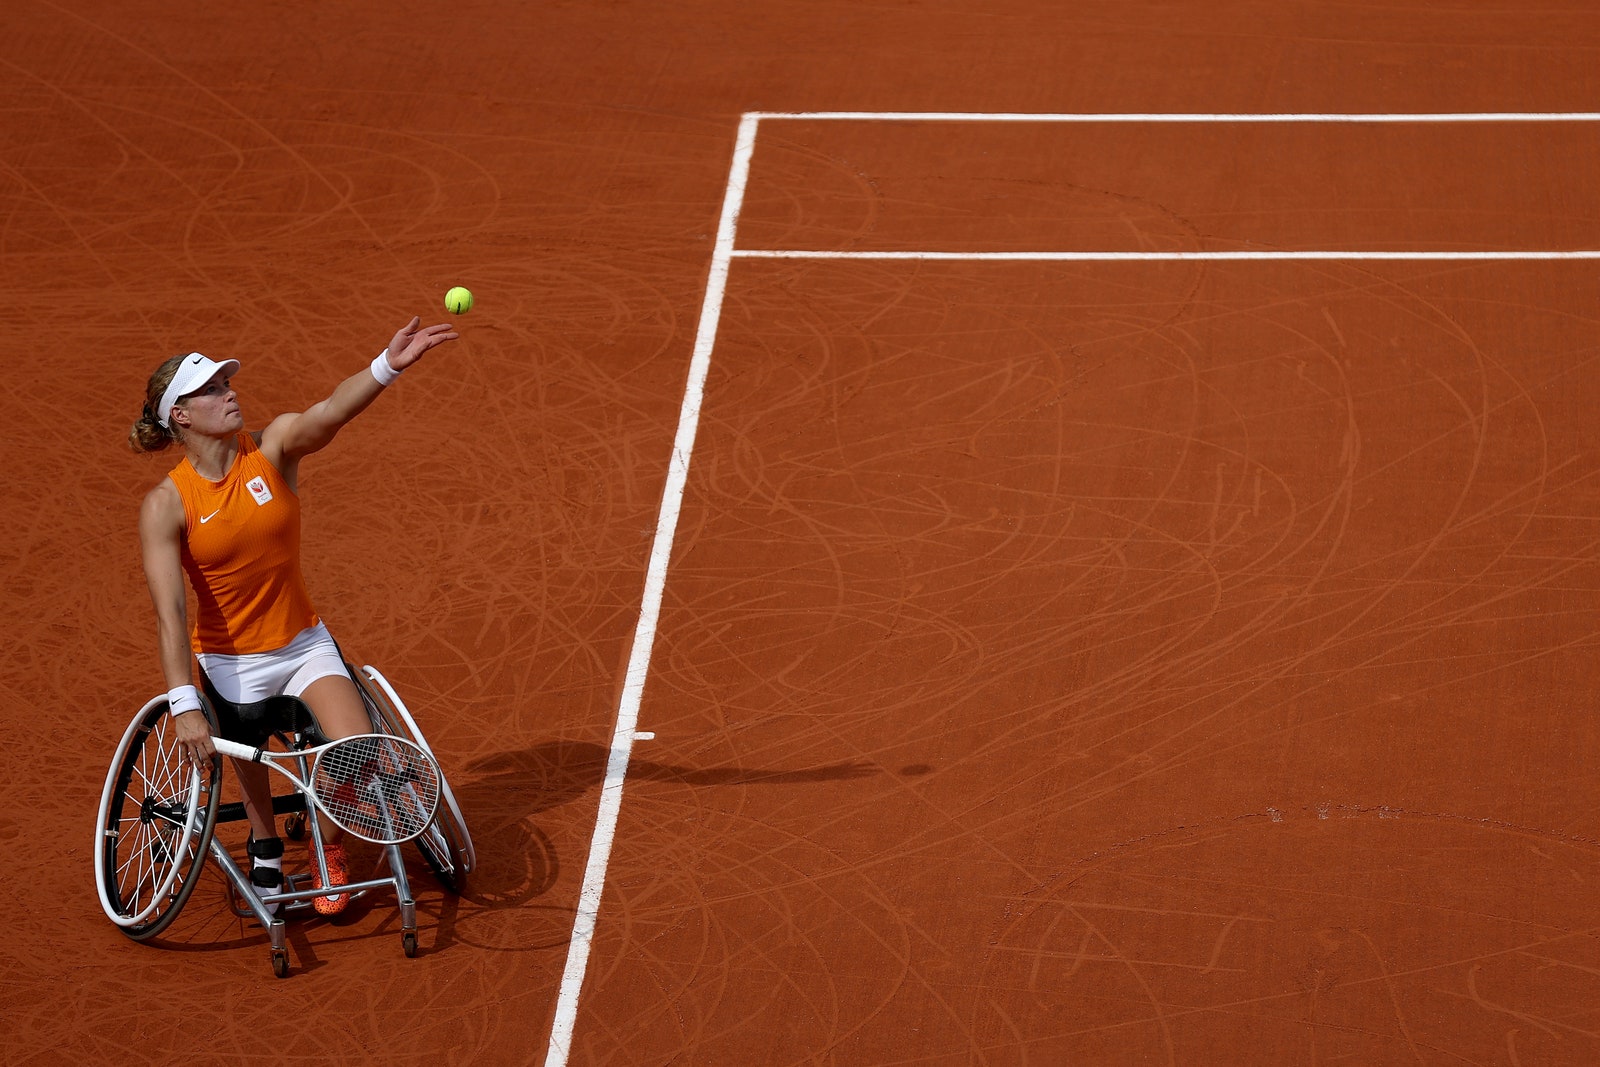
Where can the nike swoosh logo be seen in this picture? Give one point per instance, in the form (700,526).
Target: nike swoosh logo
(209,517)
(197,358)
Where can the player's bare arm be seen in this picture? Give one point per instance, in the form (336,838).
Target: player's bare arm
(289,437)
(160,537)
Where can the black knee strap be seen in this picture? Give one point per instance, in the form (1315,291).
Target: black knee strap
(268,848)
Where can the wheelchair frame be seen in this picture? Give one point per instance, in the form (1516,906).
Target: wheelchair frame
(157,820)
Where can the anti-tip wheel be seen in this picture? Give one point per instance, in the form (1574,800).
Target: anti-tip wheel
(280,962)
(408,944)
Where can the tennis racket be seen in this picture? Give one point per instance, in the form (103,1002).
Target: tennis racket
(380,788)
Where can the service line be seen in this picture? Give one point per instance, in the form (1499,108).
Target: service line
(1175,117)
(644,634)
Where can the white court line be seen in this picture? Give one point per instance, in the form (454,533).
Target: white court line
(978,116)
(624,735)
(1120,256)
(1169,117)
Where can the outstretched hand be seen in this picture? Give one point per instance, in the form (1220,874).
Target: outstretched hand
(410,343)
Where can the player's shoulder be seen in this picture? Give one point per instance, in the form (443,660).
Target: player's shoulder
(163,503)
(275,429)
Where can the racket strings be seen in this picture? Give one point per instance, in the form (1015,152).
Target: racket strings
(377,787)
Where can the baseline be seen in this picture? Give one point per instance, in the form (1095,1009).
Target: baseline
(1118,257)
(1180,116)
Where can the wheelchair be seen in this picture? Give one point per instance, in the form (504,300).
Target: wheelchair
(158,816)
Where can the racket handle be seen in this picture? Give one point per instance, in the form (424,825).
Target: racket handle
(236,750)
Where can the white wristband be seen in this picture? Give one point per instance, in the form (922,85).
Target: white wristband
(382,371)
(183,698)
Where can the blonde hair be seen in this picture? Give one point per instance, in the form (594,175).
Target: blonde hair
(147,434)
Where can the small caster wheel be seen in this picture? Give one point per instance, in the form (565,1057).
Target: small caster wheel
(280,962)
(294,827)
(408,943)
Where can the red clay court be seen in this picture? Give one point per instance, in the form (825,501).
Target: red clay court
(956,534)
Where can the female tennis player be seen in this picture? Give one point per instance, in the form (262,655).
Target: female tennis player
(228,516)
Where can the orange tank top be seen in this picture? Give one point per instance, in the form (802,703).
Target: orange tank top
(241,550)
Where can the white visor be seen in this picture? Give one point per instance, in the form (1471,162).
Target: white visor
(196,371)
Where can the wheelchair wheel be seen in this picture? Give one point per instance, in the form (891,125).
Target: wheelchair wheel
(445,845)
(154,826)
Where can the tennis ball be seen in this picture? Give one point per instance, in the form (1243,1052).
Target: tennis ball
(458,301)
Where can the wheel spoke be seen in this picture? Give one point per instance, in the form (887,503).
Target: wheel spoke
(169,763)
(144,779)
(129,887)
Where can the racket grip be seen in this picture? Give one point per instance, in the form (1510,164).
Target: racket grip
(236,750)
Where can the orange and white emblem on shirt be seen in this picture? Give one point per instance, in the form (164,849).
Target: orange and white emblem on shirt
(258,489)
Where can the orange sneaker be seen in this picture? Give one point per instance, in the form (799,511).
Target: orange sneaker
(338,874)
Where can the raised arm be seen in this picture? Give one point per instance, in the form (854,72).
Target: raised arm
(160,538)
(290,437)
